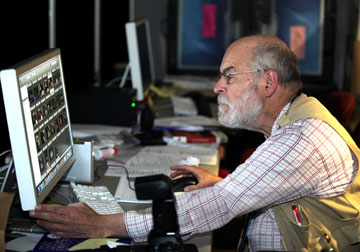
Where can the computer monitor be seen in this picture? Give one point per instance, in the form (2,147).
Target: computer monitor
(39,126)
(140,56)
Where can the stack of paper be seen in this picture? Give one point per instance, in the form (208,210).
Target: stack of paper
(158,159)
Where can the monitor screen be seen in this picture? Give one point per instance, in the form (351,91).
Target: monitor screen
(39,126)
(140,56)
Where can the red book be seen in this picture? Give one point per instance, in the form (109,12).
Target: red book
(193,136)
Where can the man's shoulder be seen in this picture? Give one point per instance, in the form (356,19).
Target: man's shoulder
(305,127)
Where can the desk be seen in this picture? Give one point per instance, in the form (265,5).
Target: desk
(202,241)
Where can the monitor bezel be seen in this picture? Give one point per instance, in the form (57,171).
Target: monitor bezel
(20,139)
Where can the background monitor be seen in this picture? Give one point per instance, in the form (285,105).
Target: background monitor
(39,126)
(140,56)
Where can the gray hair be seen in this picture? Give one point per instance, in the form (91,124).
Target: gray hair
(278,57)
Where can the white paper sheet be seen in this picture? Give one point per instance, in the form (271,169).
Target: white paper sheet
(159,159)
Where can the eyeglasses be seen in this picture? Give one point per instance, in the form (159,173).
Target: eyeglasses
(229,75)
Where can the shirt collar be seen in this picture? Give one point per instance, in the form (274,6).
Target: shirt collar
(276,125)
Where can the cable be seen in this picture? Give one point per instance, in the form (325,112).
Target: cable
(126,171)
(122,78)
(3,153)
(3,168)
(116,79)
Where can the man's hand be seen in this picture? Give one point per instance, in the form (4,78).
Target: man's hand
(205,178)
(78,220)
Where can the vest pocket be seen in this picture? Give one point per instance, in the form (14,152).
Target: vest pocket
(301,231)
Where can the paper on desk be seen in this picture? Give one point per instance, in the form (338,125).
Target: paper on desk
(144,164)
(186,120)
(112,244)
(159,159)
(93,243)
(184,148)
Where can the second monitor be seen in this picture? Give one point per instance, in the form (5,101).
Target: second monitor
(140,56)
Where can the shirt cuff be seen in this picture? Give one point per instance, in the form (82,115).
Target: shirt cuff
(138,224)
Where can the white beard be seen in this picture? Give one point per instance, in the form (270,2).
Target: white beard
(243,113)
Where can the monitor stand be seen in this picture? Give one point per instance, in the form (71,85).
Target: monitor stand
(82,171)
(148,136)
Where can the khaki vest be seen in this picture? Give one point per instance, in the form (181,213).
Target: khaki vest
(329,223)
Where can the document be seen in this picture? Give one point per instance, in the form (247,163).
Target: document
(146,163)
(187,121)
(158,159)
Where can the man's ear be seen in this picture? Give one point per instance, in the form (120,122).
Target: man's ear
(271,82)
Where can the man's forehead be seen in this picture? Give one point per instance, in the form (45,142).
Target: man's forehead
(234,65)
(236,58)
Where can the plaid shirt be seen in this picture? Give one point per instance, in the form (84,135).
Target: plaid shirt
(306,158)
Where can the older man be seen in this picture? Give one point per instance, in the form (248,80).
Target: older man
(301,183)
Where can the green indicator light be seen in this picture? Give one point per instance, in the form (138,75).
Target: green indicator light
(133,104)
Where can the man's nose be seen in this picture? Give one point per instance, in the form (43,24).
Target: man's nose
(220,86)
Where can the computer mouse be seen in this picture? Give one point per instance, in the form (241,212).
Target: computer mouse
(180,183)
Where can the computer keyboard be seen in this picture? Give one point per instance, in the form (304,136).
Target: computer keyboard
(98,198)
(183,106)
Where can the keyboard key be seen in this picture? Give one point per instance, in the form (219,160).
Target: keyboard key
(98,198)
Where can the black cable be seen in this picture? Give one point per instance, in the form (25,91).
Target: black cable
(123,167)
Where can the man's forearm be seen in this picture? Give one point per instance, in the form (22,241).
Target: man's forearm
(113,225)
